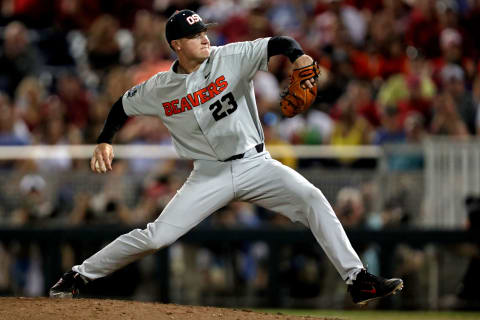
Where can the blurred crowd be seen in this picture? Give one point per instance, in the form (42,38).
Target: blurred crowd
(393,72)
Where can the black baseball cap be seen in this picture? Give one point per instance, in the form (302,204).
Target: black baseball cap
(183,24)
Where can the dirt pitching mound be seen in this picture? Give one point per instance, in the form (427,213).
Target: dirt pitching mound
(73,309)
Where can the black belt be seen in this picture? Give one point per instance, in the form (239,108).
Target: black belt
(258,147)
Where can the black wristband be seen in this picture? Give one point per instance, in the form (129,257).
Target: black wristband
(285,46)
(115,120)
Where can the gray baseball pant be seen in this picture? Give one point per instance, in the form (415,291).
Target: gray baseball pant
(257,178)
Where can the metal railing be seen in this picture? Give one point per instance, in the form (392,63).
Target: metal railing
(452,172)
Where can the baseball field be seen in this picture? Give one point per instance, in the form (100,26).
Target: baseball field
(56,309)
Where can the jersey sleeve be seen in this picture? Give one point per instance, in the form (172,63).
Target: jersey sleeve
(137,100)
(248,57)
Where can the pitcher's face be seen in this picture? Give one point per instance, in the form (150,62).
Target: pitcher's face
(195,47)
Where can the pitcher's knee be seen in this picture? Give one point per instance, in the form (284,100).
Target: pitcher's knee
(309,195)
(161,235)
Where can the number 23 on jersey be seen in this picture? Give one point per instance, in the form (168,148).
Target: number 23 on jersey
(217,107)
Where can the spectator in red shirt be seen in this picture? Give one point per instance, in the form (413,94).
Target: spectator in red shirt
(360,95)
(393,60)
(423,28)
(76,98)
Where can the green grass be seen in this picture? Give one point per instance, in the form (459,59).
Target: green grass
(377,315)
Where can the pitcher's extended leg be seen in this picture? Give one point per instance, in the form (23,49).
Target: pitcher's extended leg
(289,193)
(208,188)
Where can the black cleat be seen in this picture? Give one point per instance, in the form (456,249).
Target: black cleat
(368,287)
(68,286)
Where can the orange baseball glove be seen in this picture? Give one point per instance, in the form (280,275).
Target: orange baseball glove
(296,99)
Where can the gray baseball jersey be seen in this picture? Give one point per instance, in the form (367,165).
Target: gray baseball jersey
(211,113)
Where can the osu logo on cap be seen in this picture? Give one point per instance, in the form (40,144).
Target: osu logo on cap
(193,19)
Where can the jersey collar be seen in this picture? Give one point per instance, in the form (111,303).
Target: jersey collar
(176,75)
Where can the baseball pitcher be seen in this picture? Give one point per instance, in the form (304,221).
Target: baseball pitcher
(207,102)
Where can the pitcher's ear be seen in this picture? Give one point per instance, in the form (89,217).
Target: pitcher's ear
(176,45)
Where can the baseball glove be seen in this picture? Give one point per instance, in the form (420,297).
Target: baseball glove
(296,99)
